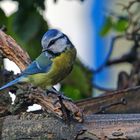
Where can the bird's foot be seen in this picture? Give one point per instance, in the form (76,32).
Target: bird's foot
(64,97)
(59,94)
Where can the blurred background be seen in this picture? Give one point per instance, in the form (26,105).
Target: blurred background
(88,26)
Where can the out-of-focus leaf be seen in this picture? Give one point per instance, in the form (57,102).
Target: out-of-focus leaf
(27,27)
(79,83)
(120,25)
(40,4)
(34,45)
(32,3)
(10,29)
(3,18)
(107,26)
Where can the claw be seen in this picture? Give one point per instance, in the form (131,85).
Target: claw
(64,97)
(58,93)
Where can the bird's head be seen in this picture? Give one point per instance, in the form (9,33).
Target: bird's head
(55,42)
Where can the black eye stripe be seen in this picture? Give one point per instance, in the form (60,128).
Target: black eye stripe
(53,41)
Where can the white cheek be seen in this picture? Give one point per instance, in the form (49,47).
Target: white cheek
(61,41)
(59,46)
(53,47)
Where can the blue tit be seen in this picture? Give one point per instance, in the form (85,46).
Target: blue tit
(54,63)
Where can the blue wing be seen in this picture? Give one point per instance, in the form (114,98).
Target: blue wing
(35,68)
(41,65)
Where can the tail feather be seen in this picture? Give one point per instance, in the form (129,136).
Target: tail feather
(11,83)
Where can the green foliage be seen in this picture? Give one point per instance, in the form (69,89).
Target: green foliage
(3,19)
(31,4)
(79,83)
(118,25)
(107,26)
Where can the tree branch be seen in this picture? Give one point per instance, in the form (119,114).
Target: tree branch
(95,127)
(10,49)
(120,101)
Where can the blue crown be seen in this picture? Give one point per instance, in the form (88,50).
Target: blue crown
(50,33)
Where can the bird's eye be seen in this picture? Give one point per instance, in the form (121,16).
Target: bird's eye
(51,43)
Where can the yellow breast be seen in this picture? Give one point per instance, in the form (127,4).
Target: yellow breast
(62,64)
(60,68)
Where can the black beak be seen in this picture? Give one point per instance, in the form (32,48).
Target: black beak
(45,49)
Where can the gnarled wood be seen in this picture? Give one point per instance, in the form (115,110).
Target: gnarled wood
(95,127)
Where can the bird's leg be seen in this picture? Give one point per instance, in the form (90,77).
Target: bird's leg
(66,113)
(58,93)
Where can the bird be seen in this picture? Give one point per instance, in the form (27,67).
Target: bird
(53,64)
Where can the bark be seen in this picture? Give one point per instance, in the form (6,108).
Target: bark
(10,49)
(95,127)
(121,101)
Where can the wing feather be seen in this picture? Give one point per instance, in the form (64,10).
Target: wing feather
(41,65)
